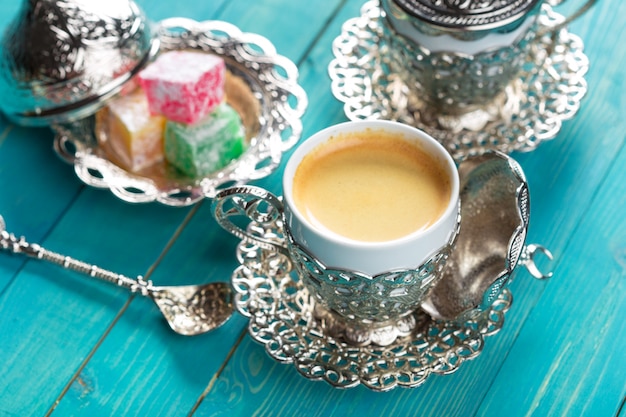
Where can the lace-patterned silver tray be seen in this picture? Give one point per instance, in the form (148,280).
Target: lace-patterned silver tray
(261,85)
(530,110)
(282,317)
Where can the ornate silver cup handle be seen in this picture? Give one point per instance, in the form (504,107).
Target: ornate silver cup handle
(257,205)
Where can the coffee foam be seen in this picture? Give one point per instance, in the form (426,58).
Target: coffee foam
(371,186)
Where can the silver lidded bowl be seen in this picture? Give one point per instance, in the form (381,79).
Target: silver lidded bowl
(61,59)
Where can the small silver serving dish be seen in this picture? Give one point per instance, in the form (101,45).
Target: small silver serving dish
(261,85)
(62,62)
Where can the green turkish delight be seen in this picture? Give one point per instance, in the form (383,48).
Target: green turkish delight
(207,145)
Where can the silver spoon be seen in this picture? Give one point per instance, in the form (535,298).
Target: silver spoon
(189,310)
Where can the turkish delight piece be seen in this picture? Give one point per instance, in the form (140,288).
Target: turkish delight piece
(206,146)
(134,134)
(184,86)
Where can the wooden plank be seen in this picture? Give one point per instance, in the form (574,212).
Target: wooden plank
(48,312)
(568,363)
(42,180)
(288,25)
(158,374)
(31,177)
(574,334)
(8,12)
(51,317)
(206,10)
(161,361)
(585,263)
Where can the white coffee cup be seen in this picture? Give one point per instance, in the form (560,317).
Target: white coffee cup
(371,258)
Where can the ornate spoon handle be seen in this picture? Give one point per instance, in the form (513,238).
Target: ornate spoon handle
(9,242)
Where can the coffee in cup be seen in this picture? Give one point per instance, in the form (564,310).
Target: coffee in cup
(345,185)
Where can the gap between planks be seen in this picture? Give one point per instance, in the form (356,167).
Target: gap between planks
(123,309)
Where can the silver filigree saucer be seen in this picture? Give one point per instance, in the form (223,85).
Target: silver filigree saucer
(261,85)
(530,110)
(283,318)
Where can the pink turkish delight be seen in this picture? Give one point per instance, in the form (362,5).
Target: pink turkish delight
(184,86)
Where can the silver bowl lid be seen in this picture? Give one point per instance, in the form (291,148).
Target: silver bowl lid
(467,15)
(61,59)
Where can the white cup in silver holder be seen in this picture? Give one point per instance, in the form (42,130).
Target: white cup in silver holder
(367,285)
(457,56)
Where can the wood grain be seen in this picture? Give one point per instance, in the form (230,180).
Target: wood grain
(72,346)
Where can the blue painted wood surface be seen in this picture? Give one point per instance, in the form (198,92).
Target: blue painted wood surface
(70,346)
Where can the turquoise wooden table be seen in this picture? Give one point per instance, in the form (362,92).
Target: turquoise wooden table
(71,346)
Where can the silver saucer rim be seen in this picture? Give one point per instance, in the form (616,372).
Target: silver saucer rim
(283,102)
(282,318)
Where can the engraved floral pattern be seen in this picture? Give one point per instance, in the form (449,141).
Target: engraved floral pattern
(361,297)
(466,13)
